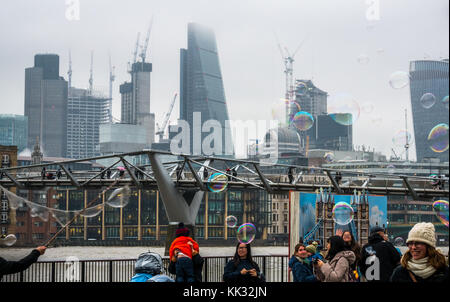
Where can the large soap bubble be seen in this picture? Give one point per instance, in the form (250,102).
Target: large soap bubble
(15,201)
(246,233)
(427,100)
(399,79)
(342,213)
(119,197)
(92,211)
(343,108)
(438,138)
(303,120)
(441,209)
(9,240)
(217,182)
(399,241)
(401,138)
(231,221)
(445,102)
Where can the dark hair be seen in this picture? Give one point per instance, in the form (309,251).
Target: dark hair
(237,259)
(337,245)
(297,247)
(353,246)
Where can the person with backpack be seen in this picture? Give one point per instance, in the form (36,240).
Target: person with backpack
(148,268)
(197,262)
(422,262)
(340,260)
(378,257)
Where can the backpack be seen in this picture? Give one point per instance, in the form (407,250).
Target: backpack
(148,263)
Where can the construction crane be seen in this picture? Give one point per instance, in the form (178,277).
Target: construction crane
(161,130)
(130,66)
(112,77)
(147,38)
(91,78)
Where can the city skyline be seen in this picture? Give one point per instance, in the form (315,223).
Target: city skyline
(367,51)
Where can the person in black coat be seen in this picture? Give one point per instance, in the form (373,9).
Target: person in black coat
(197,261)
(242,268)
(12,267)
(300,265)
(386,254)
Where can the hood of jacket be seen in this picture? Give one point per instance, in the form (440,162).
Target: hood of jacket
(349,255)
(375,238)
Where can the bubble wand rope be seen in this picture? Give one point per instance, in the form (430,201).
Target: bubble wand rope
(79,213)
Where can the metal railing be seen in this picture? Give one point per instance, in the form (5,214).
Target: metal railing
(274,267)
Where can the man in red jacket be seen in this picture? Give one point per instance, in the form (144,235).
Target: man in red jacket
(181,252)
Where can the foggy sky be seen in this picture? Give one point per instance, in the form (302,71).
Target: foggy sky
(336,33)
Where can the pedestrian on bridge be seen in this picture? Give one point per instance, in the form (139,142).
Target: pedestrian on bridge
(12,267)
(422,262)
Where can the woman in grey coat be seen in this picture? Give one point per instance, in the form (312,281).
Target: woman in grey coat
(340,260)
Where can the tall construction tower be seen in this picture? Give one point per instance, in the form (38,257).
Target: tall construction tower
(69,73)
(112,77)
(91,79)
(406,136)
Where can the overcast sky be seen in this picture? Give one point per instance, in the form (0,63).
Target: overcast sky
(337,32)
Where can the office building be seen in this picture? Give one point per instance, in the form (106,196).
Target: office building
(46,105)
(310,99)
(14,131)
(429,77)
(202,95)
(326,133)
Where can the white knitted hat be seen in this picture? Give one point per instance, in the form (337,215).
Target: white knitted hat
(423,232)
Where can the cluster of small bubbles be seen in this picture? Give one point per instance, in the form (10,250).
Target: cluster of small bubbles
(441,209)
(231,221)
(399,79)
(303,120)
(342,213)
(363,59)
(438,138)
(401,138)
(399,241)
(217,182)
(427,100)
(246,233)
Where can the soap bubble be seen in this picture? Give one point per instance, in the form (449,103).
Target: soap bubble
(343,109)
(301,88)
(435,179)
(92,211)
(401,138)
(15,201)
(367,107)
(391,169)
(303,120)
(63,217)
(441,209)
(231,221)
(342,213)
(246,233)
(328,157)
(445,101)
(37,210)
(363,59)
(438,138)
(427,100)
(399,79)
(217,182)
(9,240)
(119,197)
(399,241)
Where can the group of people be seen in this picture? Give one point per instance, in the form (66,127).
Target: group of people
(344,260)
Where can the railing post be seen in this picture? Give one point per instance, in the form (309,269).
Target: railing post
(110,271)
(53,275)
(206,269)
(21,276)
(264,267)
(83,263)
(282,268)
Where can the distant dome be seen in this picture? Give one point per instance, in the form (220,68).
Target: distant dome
(287,140)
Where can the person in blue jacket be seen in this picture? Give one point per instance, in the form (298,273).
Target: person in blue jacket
(301,265)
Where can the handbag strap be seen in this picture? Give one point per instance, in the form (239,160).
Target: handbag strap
(412,276)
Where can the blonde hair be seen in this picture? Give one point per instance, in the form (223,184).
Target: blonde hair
(435,258)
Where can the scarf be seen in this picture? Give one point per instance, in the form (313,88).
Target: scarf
(304,261)
(421,267)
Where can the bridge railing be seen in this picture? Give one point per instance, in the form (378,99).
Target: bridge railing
(274,267)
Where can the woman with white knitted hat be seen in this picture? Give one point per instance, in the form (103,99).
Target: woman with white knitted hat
(422,262)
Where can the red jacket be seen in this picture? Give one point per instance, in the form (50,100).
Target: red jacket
(181,243)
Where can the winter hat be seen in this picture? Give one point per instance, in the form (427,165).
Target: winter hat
(376,229)
(423,232)
(311,249)
(182,230)
(315,243)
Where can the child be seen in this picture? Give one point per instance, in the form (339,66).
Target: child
(181,252)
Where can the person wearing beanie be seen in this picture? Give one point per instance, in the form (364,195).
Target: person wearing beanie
(181,251)
(378,252)
(301,264)
(422,262)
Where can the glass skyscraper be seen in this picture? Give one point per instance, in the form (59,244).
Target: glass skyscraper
(201,87)
(427,76)
(14,131)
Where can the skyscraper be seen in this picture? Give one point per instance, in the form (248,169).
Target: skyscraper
(14,131)
(46,105)
(202,93)
(135,108)
(310,98)
(85,113)
(428,77)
